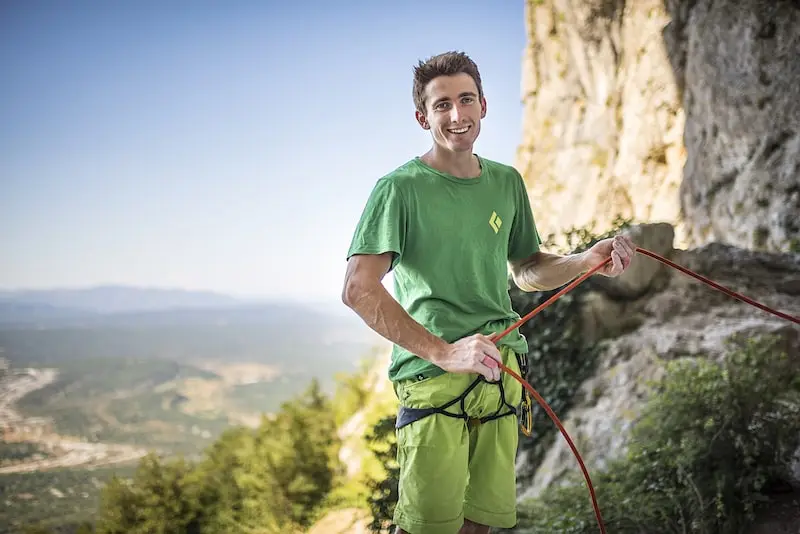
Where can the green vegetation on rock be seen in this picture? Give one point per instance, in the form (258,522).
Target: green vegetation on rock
(713,440)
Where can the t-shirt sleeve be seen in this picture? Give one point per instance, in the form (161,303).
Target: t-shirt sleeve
(524,239)
(382,226)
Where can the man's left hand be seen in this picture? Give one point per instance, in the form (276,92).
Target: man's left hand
(621,250)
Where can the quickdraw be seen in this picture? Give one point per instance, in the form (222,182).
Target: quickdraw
(571,286)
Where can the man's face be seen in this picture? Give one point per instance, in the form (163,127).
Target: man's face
(453,112)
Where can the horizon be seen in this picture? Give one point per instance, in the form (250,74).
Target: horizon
(324,304)
(230,150)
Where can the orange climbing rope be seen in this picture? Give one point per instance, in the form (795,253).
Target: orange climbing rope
(570,287)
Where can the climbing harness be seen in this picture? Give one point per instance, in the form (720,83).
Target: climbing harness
(408,415)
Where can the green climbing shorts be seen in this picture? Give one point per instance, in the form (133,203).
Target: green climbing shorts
(452,469)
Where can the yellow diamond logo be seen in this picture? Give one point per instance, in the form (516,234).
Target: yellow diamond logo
(495,222)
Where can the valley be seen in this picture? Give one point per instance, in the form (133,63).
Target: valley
(83,401)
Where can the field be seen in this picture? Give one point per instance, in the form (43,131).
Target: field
(173,388)
(58,497)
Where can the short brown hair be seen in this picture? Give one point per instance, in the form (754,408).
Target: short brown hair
(445,64)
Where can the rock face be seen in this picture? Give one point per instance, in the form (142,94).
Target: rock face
(676,316)
(738,65)
(682,111)
(602,120)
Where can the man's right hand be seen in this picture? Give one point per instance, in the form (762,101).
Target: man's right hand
(473,354)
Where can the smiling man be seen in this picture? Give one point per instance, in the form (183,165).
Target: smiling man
(451,224)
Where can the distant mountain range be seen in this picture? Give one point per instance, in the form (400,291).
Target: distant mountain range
(132,306)
(111,299)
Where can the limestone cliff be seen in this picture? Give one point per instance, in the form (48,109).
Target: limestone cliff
(683,111)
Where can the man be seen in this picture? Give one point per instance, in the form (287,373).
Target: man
(449,223)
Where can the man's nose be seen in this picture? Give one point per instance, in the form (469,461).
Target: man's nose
(455,114)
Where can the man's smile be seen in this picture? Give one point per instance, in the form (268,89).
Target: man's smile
(461,130)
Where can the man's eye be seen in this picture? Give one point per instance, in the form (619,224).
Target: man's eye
(443,105)
(468,100)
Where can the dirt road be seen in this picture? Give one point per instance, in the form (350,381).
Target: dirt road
(17,383)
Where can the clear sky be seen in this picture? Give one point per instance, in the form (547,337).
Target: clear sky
(225,146)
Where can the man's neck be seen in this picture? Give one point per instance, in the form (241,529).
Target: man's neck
(458,164)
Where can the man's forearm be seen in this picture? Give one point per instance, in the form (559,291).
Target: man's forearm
(549,271)
(381,312)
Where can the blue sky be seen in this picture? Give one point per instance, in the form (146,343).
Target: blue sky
(225,146)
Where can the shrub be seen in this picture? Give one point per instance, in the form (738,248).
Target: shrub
(701,459)
(383,489)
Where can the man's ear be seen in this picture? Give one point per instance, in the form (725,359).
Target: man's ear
(422,120)
(483,107)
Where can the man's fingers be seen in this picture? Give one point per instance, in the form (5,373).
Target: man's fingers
(490,349)
(624,245)
(623,253)
(630,246)
(493,373)
(617,262)
(488,373)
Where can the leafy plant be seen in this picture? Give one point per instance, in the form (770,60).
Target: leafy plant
(275,478)
(711,441)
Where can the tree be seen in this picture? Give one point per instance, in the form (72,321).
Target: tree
(275,478)
(384,489)
(164,498)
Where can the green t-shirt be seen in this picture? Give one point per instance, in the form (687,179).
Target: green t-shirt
(451,238)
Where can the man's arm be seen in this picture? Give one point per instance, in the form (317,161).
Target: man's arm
(364,293)
(542,271)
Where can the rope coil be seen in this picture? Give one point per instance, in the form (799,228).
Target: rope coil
(495,338)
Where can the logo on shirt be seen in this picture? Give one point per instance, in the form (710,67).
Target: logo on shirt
(495,222)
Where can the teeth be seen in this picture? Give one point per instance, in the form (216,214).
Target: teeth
(460,130)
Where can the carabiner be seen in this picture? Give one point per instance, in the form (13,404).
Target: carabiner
(526,417)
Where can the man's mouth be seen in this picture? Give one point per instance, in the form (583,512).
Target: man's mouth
(459,130)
